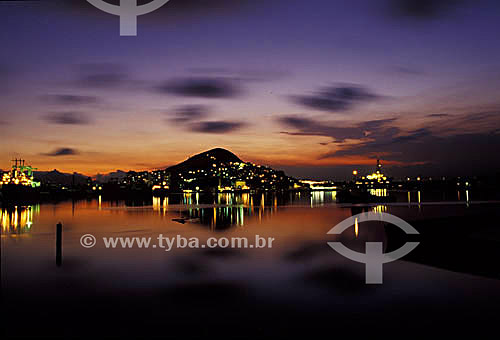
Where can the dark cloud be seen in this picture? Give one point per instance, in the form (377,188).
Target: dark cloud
(335,98)
(67,118)
(297,122)
(458,154)
(70,99)
(216,127)
(438,115)
(311,127)
(414,135)
(189,113)
(62,152)
(105,75)
(471,122)
(202,87)
(445,149)
(423,9)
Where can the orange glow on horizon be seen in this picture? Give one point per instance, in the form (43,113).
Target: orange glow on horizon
(90,167)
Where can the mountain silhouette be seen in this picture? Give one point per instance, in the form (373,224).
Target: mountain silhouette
(58,177)
(206,160)
(220,169)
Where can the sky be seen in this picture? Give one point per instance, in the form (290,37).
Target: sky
(317,88)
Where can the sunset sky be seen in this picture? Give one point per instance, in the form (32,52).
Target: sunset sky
(317,88)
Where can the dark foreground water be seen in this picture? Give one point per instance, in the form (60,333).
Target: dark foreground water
(449,285)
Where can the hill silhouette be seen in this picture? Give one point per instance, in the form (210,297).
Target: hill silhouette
(58,177)
(206,160)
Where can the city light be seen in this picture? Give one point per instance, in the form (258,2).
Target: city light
(20,174)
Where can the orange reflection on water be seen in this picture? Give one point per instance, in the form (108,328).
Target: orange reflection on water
(380,208)
(17,220)
(379,192)
(356,227)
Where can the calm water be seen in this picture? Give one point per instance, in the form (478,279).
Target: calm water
(264,291)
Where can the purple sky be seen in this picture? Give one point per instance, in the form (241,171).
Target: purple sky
(317,87)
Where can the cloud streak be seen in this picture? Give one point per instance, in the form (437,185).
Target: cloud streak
(189,117)
(67,118)
(209,88)
(423,9)
(335,98)
(217,127)
(312,127)
(62,152)
(70,99)
(444,145)
(189,113)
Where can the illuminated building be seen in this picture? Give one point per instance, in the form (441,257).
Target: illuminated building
(318,185)
(20,174)
(241,185)
(376,179)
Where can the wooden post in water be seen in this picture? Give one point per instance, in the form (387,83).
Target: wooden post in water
(59,244)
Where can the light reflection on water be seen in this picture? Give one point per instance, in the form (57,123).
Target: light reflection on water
(290,218)
(300,267)
(379,192)
(295,220)
(18,219)
(217,211)
(224,210)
